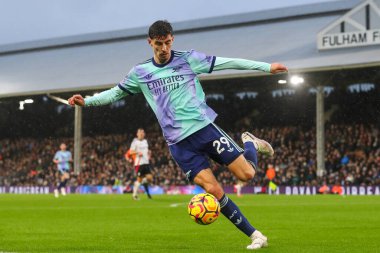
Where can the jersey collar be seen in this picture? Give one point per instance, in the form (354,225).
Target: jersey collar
(164,64)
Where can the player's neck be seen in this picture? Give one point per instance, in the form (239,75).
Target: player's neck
(157,60)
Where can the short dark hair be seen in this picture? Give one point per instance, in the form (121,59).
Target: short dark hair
(160,28)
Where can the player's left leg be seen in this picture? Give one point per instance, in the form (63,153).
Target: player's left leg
(206,179)
(242,164)
(148,179)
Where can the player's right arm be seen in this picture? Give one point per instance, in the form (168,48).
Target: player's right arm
(128,86)
(103,98)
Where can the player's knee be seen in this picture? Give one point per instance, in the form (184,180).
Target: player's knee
(248,174)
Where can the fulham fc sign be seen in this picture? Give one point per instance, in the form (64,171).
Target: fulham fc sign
(359,27)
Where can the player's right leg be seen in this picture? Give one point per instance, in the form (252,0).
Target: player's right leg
(244,166)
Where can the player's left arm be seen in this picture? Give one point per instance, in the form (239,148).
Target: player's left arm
(202,63)
(222,63)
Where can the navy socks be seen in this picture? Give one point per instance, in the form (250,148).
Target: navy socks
(233,213)
(250,153)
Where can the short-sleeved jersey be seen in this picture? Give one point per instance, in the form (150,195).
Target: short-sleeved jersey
(63,157)
(141,147)
(174,92)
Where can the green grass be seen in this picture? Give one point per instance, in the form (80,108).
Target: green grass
(115,223)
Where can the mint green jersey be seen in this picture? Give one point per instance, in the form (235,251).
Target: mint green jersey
(174,92)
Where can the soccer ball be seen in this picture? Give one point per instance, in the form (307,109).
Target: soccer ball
(204,208)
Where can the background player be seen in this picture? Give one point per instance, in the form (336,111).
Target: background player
(62,158)
(170,85)
(140,148)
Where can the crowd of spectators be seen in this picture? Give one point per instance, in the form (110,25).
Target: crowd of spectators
(30,138)
(352,158)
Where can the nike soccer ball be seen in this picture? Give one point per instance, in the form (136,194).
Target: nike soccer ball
(204,208)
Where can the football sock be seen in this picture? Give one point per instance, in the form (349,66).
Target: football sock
(233,213)
(250,153)
(146,187)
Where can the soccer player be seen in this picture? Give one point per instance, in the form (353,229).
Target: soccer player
(140,148)
(170,84)
(62,158)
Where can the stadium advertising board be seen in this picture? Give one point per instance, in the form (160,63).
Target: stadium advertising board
(191,189)
(359,27)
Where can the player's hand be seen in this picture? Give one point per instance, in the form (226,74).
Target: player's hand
(278,68)
(76,100)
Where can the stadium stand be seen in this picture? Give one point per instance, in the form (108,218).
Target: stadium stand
(352,147)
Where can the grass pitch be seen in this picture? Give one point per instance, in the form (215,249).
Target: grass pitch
(116,223)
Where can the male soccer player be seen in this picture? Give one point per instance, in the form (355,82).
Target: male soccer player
(62,158)
(170,84)
(140,148)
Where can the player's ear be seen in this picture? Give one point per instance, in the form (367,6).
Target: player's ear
(149,41)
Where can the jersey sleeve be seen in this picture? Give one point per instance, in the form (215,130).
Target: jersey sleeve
(200,62)
(130,83)
(222,63)
(105,97)
(56,156)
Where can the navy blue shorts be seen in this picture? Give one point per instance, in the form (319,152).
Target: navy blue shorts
(192,153)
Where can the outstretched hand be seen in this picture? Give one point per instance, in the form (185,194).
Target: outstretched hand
(76,100)
(278,68)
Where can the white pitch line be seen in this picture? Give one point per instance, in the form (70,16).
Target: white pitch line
(177,204)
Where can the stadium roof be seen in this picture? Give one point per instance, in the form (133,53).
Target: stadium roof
(287,35)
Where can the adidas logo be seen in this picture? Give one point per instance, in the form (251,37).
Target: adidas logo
(238,221)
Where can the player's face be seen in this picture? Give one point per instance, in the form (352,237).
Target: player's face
(63,147)
(162,47)
(140,134)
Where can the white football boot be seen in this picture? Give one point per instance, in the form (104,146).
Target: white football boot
(258,241)
(261,146)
